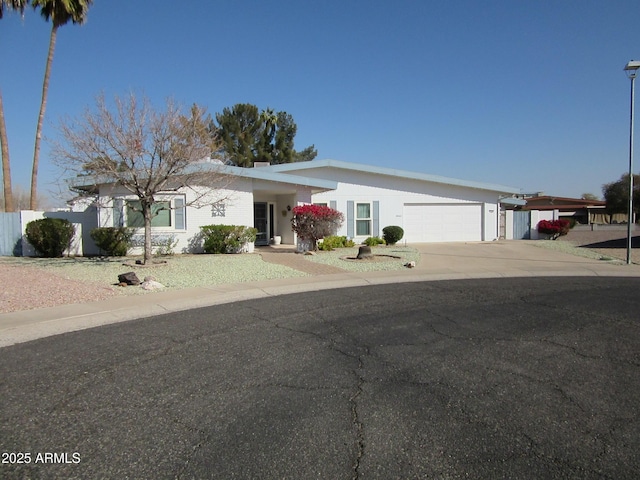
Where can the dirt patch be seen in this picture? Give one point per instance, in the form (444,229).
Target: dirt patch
(26,288)
(372,258)
(608,243)
(159,263)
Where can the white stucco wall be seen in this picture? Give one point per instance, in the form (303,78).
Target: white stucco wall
(27,216)
(238,210)
(508,225)
(536,216)
(393,193)
(82,221)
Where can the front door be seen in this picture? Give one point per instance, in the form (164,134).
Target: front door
(260,223)
(272,222)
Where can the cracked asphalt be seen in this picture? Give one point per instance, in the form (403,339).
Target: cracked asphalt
(488,378)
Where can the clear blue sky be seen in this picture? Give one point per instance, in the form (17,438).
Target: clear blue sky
(529,94)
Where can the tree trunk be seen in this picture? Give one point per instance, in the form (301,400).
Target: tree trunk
(146,213)
(33,203)
(6,166)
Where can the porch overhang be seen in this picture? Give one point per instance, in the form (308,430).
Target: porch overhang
(513,202)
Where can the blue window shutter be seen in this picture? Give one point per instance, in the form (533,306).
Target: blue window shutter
(350,222)
(118,204)
(376,219)
(179,213)
(333,204)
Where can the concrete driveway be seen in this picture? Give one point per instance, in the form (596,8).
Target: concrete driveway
(508,258)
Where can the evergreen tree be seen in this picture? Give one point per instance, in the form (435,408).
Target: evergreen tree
(616,194)
(239,131)
(248,136)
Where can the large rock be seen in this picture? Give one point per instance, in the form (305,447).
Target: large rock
(151,284)
(130,278)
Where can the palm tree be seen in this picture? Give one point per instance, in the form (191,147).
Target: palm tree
(4,141)
(6,165)
(59,12)
(269,119)
(13,5)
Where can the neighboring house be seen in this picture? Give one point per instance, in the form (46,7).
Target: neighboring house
(582,211)
(525,218)
(429,208)
(587,214)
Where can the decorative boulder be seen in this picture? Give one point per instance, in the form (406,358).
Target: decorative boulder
(130,278)
(151,285)
(364,253)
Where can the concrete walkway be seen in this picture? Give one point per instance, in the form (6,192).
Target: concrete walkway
(439,261)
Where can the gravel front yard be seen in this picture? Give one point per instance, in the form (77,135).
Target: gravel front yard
(385,261)
(28,283)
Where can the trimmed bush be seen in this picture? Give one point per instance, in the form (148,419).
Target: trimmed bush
(115,242)
(313,222)
(227,238)
(392,234)
(555,228)
(373,241)
(50,236)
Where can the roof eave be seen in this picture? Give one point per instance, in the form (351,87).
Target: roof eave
(392,172)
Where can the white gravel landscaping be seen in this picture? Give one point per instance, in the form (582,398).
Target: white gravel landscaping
(179,271)
(335,258)
(568,247)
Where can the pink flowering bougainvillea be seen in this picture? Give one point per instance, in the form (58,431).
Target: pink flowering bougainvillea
(555,228)
(313,222)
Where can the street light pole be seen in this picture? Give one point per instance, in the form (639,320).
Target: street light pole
(631,69)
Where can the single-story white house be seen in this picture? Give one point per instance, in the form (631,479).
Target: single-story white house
(429,208)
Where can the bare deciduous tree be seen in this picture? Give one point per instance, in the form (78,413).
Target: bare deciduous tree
(146,151)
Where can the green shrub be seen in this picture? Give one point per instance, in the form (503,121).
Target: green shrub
(392,234)
(227,238)
(373,241)
(329,243)
(50,236)
(334,241)
(115,242)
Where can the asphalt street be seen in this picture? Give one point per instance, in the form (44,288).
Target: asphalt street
(483,378)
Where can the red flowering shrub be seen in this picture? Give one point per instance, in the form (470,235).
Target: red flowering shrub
(555,228)
(313,222)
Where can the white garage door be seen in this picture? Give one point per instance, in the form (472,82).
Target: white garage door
(442,222)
